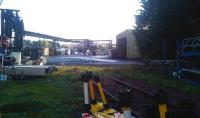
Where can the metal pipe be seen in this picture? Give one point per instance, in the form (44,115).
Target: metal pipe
(101,92)
(86,93)
(91,88)
(86,106)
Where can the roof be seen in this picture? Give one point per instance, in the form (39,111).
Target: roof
(124,33)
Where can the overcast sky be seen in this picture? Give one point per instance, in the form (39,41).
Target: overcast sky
(91,19)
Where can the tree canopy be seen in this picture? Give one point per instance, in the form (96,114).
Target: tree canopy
(168,20)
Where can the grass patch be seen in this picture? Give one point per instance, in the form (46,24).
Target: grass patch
(58,95)
(152,77)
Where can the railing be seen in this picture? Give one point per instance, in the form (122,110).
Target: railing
(188,54)
(190,47)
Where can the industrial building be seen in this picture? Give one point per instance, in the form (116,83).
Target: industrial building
(126,45)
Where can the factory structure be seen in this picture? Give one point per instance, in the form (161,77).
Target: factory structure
(126,46)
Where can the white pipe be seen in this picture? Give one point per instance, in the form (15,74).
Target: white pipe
(86,93)
(191,70)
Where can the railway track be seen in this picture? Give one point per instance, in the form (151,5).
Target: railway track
(145,93)
(114,102)
(143,100)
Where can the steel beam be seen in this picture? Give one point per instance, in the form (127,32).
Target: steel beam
(54,38)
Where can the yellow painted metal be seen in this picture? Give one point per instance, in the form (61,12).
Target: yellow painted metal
(101,93)
(102,115)
(96,107)
(108,113)
(98,111)
(162,110)
(91,88)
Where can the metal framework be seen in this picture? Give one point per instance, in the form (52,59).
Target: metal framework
(188,55)
(12,31)
(54,38)
(88,44)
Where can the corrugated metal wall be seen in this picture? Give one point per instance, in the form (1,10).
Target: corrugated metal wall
(127,45)
(122,47)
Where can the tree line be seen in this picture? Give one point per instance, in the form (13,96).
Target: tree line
(166,20)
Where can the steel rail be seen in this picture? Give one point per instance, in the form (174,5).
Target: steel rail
(132,87)
(114,98)
(108,93)
(170,103)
